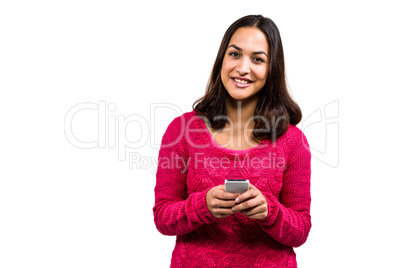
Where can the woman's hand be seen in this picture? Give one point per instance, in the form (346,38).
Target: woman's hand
(219,202)
(252,204)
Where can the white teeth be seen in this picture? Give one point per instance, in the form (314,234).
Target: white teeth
(241,81)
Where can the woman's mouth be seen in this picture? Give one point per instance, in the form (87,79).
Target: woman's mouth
(240,82)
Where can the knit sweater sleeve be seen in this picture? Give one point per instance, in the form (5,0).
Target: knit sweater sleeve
(289,220)
(175,213)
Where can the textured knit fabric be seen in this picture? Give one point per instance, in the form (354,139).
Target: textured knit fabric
(191,162)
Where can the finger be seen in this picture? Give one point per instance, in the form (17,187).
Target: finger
(221,194)
(250,193)
(250,203)
(257,215)
(223,212)
(218,203)
(227,196)
(252,186)
(253,211)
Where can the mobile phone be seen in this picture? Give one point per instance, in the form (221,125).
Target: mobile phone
(236,186)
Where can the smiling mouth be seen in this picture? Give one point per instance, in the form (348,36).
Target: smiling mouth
(241,82)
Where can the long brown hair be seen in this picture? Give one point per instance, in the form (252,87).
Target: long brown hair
(275,108)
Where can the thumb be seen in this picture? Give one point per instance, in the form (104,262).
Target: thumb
(252,186)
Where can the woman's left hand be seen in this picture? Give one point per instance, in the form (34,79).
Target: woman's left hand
(252,204)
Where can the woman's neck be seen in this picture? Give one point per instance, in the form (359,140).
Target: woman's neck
(241,113)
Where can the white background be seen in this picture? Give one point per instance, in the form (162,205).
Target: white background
(64,206)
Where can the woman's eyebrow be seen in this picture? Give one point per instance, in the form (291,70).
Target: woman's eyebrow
(236,47)
(257,52)
(260,52)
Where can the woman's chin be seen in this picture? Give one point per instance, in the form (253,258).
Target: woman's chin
(242,97)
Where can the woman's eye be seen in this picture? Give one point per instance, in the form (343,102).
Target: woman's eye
(259,60)
(234,54)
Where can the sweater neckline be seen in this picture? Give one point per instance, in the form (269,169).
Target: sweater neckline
(224,150)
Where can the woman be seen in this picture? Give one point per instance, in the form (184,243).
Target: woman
(242,128)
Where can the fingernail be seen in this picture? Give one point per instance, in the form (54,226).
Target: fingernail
(233,209)
(237,200)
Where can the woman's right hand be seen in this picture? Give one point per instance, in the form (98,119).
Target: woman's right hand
(219,202)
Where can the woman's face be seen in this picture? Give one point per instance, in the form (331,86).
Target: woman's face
(245,64)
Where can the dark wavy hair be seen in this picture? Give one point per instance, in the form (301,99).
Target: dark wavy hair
(275,108)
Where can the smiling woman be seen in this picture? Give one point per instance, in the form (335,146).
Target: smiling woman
(273,109)
(245,65)
(242,128)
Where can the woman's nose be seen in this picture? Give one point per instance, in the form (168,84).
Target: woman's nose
(244,66)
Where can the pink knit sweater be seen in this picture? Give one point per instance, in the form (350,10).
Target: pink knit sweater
(190,163)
